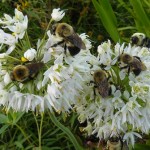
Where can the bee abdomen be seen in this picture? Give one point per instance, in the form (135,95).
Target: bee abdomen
(73,50)
(34,68)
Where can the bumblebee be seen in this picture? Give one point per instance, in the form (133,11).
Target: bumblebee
(23,73)
(115,143)
(101,83)
(133,63)
(140,39)
(69,38)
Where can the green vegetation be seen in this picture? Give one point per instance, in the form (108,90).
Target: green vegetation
(101,20)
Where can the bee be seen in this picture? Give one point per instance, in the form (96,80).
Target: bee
(115,143)
(23,73)
(133,63)
(69,38)
(101,83)
(140,39)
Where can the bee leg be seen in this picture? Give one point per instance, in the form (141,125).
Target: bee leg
(129,70)
(137,58)
(91,66)
(109,92)
(94,91)
(121,141)
(59,43)
(65,49)
(124,67)
(148,42)
(90,83)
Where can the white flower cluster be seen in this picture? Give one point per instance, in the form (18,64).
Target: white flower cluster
(126,111)
(62,84)
(17,25)
(59,82)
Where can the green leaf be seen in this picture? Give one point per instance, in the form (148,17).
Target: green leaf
(65,130)
(18,144)
(17,117)
(108,18)
(141,147)
(141,19)
(3,128)
(3,118)
(106,6)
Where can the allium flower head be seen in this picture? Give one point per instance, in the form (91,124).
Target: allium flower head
(57,14)
(125,109)
(17,25)
(51,79)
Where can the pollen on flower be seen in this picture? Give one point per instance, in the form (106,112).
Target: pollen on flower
(23,59)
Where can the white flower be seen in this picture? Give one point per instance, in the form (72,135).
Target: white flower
(86,41)
(7,79)
(18,15)
(129,137)
(3,55)
(105,53)
(17,25)
(57,14)
(30,54)
(8,39)
(129,103)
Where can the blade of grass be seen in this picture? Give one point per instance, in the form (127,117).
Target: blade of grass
(107,18)
(106,6)
(65,130)
(141,19)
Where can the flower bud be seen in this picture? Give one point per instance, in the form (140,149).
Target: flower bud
(30,54)
(57,14)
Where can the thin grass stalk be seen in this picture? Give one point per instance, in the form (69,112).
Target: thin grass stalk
(65,130)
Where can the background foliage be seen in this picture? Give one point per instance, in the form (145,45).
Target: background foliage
(100,19)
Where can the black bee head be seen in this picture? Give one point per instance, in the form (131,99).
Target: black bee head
(114,139)
(138,39)
(134,40)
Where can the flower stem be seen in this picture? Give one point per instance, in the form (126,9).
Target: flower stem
(39,128)
(27,38)
(43,39)
(23,133)
(40,131)
(65,130)
(13,58)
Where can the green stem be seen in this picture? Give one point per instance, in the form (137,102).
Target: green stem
(36,123)
(13,58)
(27,38)
(47,28)
(43,39)
(127,28)
(65,130)
(40,130)
(23,133)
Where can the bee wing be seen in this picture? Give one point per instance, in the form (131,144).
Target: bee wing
(34,68)
(76,41)
(104,88)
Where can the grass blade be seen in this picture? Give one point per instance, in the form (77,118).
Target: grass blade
(108,19)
